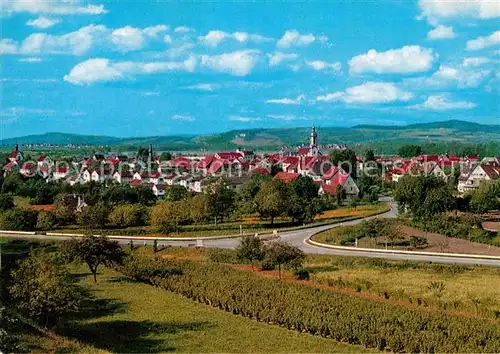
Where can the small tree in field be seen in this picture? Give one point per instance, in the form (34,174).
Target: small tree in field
(93,251)
(250,249)
(282,253)
(41,289)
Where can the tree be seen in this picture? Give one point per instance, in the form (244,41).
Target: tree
(167,216)
(346,159)
(369,156)
(175,193)
(145,195)
(250,249)
(18,219)
(42,289)
(12,183)
(46,221)
(272,199)
(409,150)
(143,153)
(6,202)
(94,216)
(340,195)
(219,198)
(198,209)
(93,251)
(9,328)
(486,197)
(166,156)
(303,204)
(64,207)
(282,253)
(126,215)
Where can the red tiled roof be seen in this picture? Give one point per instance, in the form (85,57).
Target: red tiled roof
(339,179)
(160,187)
(287,177)
(217,165)
(42,158)
(472,156)
(260,171)
(136,182)
(303,150)
(492,170)
(13,154)
(331,172)
(205,163)
(329,189)
(9,166)
(229,155)
(62,169)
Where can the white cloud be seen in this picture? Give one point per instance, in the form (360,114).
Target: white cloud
(154,31)
(102,70)
(319,65)
(459,76)
(408,59)
(439,10)
(30,60)
(54,7)
(443,102)
(167,39)
(244,119)
(183,29)
(288,101)
(83,40)
(150,93)
(294,38)
(43,22)
(183,118)
(441,32)
(370,92)
(92,70)
(238,63)
(131,38)
(215,37)
(277,58)
(476,61)
(284,117)
(484,42)
(20,111)
(203,87)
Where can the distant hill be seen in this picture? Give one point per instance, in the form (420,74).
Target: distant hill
(388,137)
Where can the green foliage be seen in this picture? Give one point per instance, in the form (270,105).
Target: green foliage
(46,221)
(409,150)
(126,215)
(250,249)
(93,251)
(12,183)
(417,241)
(301,274)
(424,196)
(167,216)
(9,341)
(272,199)
(93,216)
(64,208)
(18,219)
(342,317)
(219,198)
(6,202)
(280,253)
(175,193)
(346,159)
(486,197)
(222,255)
(302,202)
(42,290)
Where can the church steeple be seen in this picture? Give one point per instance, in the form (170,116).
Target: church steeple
(314,137)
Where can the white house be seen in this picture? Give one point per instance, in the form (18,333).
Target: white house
(481,173)
(159,190)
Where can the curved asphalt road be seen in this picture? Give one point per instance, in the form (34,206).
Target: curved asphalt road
(299,237)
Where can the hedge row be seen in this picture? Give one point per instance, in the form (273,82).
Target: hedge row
(343,317)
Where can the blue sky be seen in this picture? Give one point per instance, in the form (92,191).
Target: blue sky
(137,68)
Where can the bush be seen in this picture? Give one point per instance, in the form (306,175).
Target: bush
(342,317)
(18,219)
(127,215)
(6,202)
(46,221)
(301,274)
(417,241)
(222,255)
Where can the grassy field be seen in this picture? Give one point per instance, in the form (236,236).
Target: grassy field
(249,225)
(457,288)
(135,317)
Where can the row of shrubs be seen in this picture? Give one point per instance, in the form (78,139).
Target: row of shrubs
(465,226)
(342,317)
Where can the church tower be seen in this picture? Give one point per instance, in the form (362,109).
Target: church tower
(313,145)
